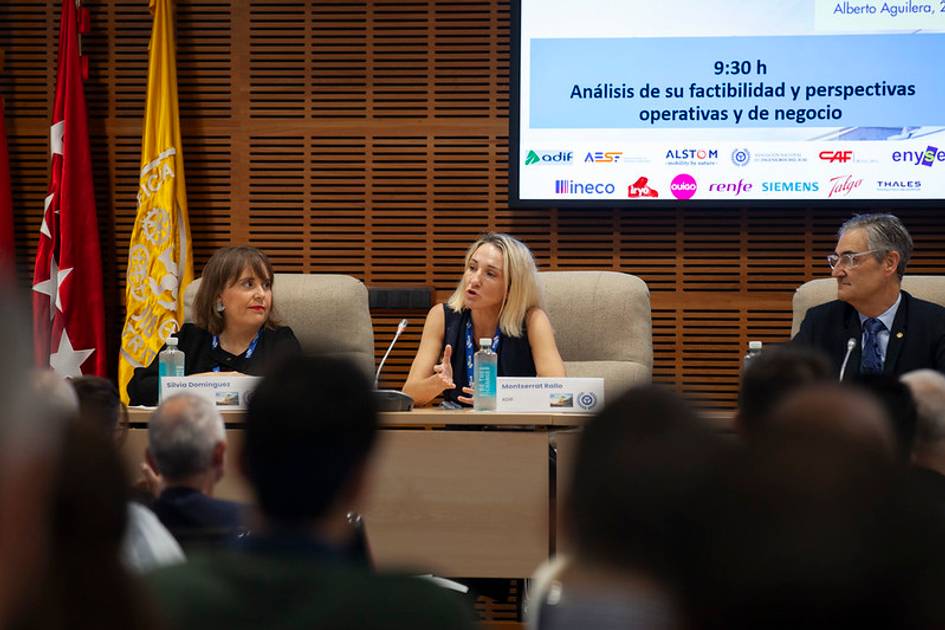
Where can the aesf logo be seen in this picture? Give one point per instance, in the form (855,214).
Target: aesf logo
(603,157)
(549,158)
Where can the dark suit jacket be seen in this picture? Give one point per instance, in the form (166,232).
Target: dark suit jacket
(917,338)
(196,519)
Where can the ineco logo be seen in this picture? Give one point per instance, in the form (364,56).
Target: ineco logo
(641,188)
(683,186)
(570,187)
(730,187)
(836,156)
(842,185)
(603,157)
(919,158)
(549,157)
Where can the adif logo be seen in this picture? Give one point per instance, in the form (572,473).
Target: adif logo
(549,157)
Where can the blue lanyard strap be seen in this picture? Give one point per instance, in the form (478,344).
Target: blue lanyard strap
(471,348)
(215,343)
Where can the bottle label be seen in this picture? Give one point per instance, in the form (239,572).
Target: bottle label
(486,380)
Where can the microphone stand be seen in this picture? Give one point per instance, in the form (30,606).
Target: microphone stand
(851,344)
(391,399)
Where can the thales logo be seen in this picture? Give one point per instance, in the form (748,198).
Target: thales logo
(641,188)
(692,154)
(603,157)
(836,156)
(570,187)
(898,185)
(920,158)
(549,157)
(842,186)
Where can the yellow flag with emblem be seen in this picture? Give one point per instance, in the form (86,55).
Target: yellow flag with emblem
(159,256)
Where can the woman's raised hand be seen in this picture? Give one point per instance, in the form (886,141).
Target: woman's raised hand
(444,369)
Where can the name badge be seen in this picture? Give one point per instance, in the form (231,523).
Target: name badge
(555,395)
(224,391)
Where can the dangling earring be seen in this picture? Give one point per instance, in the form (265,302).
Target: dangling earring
(219,307)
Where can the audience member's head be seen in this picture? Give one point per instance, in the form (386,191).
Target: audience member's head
(310,424)
(100,407)
(900,406)
(639,464)
(772,375)
(833,414)
(187,441)
(928,391)
(30,434)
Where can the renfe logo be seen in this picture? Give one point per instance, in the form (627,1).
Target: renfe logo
(728,187)
(548,157)
(569,187)
(641,188)
(843,185)
(683,186)
(836,156)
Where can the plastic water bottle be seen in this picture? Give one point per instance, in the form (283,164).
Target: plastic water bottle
(754,349)
(170,363)
(485,370)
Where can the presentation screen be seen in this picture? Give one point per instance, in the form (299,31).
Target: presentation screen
(628,102)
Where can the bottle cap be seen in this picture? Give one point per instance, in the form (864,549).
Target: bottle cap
(485,341)
(172,342)
(754,345)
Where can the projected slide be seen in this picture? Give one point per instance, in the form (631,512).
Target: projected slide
(629,103)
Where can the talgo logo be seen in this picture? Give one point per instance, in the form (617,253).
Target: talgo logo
(549,157)
(843,185)
(603,157)
(641,188)
(836,156)
(683,186)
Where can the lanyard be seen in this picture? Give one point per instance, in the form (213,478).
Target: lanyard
(215,343)
(470,348)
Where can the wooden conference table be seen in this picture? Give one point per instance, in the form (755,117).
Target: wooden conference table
(455,493)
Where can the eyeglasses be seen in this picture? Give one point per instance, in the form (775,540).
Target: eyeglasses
(848,261)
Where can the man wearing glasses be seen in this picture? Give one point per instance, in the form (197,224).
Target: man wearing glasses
(875,327)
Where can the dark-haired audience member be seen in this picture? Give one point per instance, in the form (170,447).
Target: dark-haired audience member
(640,464)
(771,376)
(928,454)
(86,585)
(817,527)
(186,447)
(147,543)
(310,428)
(900,407)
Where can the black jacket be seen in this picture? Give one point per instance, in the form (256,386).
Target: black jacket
(201,356)
(917,338)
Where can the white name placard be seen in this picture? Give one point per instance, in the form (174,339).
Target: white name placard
(556,395)
(226,390)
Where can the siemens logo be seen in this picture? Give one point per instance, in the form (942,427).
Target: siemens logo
(569,187)
(790,187)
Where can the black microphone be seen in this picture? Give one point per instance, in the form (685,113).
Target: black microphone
(851,344)
(391,399)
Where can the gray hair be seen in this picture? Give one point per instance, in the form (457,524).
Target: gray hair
(928,391)
(884,233)
(182,434)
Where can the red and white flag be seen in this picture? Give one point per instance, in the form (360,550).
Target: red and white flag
(7,257)
(68,307)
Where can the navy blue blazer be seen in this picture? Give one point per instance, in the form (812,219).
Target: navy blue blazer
(194,518)
(916,341)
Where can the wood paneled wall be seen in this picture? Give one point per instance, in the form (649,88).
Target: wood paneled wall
(370,138)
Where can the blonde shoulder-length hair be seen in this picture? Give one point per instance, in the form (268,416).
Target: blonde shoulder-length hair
(521,282)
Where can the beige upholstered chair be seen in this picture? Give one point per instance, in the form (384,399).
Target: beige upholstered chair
(328,313)
(602,325)
(821,290)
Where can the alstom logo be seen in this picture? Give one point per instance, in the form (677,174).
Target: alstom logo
(549,158)
(571,187)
